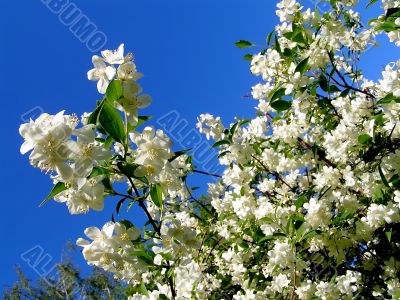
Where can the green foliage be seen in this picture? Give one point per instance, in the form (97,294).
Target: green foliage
(68,283)
(112,122)
(58,188)
(243,44)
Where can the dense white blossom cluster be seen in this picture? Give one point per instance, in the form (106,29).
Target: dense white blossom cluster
(308,204)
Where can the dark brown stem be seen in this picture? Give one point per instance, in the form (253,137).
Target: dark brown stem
(158,231)
(206,173)
(345,84)
(274,173)
(320,154)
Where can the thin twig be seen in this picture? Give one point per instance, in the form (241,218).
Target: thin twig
(206,173)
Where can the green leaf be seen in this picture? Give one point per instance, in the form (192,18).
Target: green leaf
(269,37)
(371,2)
(119,204)
(144,256)
(374,20)
(108,142)
(94,116)
(379,119)
(384,180)
(392,14)
(244,122)
(248,57)
(114,90)
(300,201)
(156,195)
(388,98)
(277,94)
(364,139)
(395,179)
(333,89)
(302,66)
(344,93)
(281,105)
(276,45)
(323,83)
(223,153)
(178,153)
(141,121)
(389,235)
(58,188)
(219,143)
(341,217)
(271,237)
(143,289)
(112,122)
(128,224)
(296,35)
(243,44)
(127,168)
(233,129)
(386,26)
(98,171)
(309,235)
(107,184)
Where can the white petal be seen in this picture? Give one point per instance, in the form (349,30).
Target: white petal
(64,170)
(85,134)
(120,50)
(93,232)
(93,74)
(102,85)
(98,62)
(97,205)
(83,167)
(108,228)
(143,101)
(110,72)
(81,182)
(26,146)
(24,128)
(82,242)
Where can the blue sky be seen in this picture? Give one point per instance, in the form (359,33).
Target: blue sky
(186,51)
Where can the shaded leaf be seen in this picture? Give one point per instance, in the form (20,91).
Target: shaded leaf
(58,188)
(114,90)
(112,122)
(243,44)
(281,105)
(156,195)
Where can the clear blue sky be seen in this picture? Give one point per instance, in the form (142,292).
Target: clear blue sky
(184,48)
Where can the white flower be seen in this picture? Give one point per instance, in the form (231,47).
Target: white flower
(83,195)
(49,138)
(128,71)
(210,126)
(130,101)
(305,290)
(318,212)
(86,151)
(101,73)
(153,151)
(115,56)
(280,282)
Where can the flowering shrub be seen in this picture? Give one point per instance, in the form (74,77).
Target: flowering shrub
(308,204)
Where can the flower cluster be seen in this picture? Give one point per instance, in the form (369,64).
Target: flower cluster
(308,204)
